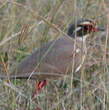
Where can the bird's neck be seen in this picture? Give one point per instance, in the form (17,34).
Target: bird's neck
(81,43)
(82,39)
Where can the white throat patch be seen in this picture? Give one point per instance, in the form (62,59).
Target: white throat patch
(83,38)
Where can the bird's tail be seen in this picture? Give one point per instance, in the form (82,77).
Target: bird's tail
(13,76)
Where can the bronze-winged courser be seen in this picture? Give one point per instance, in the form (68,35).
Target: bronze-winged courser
(58,57)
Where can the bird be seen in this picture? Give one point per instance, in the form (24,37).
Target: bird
(59,57)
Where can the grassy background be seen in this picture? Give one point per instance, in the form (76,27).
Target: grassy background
(26,25)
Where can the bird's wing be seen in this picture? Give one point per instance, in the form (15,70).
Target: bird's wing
(54,57)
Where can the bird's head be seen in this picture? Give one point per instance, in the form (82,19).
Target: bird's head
(83,28)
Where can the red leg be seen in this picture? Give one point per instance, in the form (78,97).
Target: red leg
(39,87)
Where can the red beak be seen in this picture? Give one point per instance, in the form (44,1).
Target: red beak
(96,29)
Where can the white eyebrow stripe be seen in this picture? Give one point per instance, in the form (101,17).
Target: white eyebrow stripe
(86,22)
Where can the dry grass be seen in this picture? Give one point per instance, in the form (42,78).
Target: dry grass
(26,25)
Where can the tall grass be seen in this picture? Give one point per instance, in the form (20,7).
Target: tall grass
(26,25)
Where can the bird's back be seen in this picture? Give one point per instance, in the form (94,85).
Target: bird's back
(51,59)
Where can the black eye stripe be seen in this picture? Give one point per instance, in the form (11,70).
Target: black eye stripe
(87,27)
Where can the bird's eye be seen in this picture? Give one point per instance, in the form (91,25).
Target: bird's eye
(89,28)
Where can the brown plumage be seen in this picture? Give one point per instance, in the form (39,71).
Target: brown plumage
(51,60)
(58,57)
